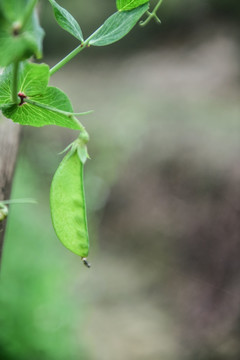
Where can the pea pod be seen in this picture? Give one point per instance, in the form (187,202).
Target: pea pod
(68,207)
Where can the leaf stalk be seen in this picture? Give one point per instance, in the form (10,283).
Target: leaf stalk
(67,58)
(15,82)
(28,13)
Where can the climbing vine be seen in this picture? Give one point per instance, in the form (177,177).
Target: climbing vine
(26,98)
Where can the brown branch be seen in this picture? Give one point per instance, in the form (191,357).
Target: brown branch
(9,141)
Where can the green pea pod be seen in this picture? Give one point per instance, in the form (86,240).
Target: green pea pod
(68,207)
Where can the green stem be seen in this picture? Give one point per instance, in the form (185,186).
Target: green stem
(152,15)
(18,201)
(15,82)
(67,58)
(28,13)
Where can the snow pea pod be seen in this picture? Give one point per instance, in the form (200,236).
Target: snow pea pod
(68,206)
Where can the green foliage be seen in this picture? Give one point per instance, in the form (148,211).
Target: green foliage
(18,39)
(51,108)
(33,78)
(30,329)
(42,105)
(66,21)
(123,5)
(117,26)
(14,10)
(26,98)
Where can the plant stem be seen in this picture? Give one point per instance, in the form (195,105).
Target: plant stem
(67,58)
(18,201)
(152,15)
(28,12)
(15,82)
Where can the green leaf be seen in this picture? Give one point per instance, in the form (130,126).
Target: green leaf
(117,26)
(36,31)
(5,86)
(14,10)
(66,21)
(54,107)
(123,5)
(28,114)
(18,42)
(33,79)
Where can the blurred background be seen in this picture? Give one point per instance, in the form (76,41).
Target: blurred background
(162,190)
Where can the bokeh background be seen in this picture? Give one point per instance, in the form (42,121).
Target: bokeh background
(162,190)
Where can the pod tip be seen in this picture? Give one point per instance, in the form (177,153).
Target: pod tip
(86,263)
